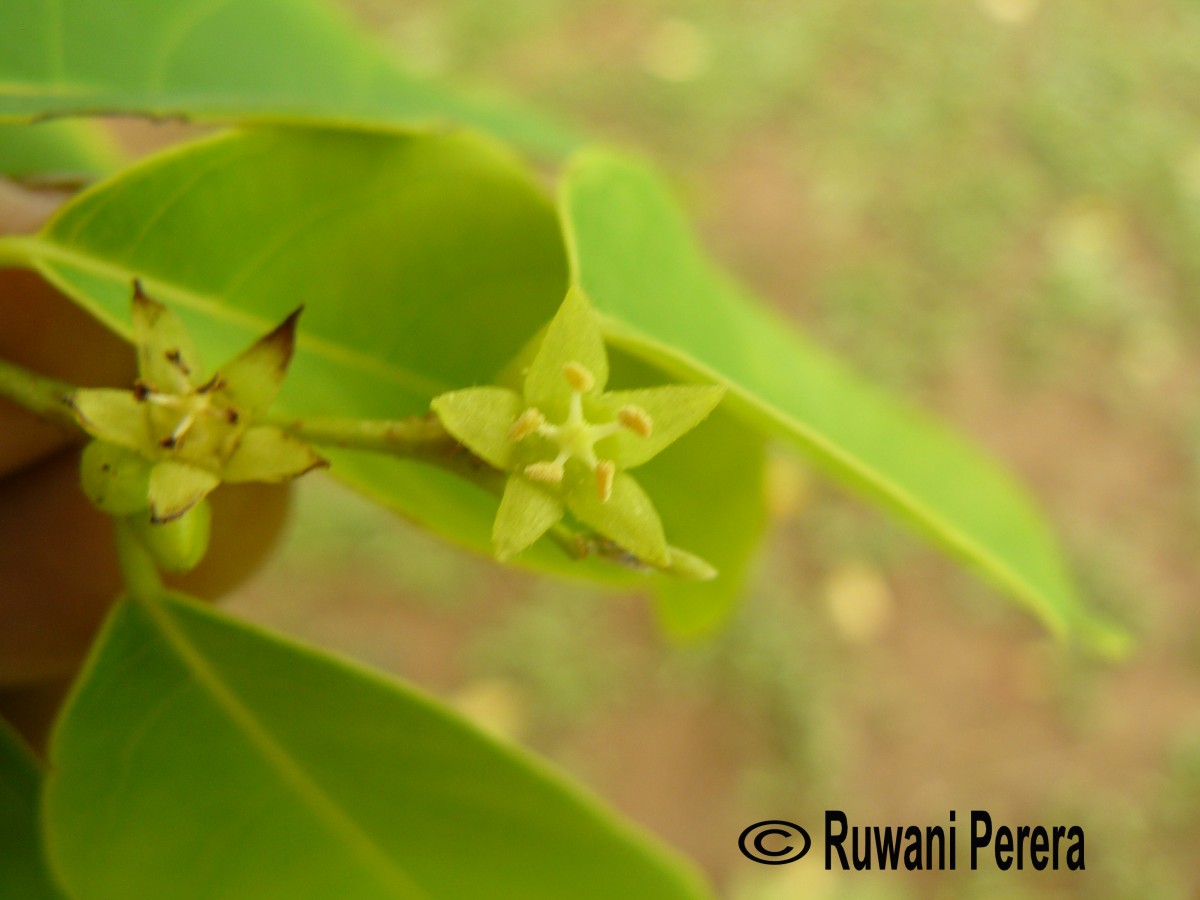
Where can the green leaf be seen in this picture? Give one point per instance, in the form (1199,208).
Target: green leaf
(56,150)
(710,488)
(200,757)
(480,418)
(289,60)
(23,871)
(526,513)
(635,258)
(573,337)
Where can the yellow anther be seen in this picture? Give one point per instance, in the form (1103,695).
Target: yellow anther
(636,420)
(545,472)
(527,423)
(606,472)
(579,377)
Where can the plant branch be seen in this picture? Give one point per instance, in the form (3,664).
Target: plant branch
(421,438)
(142,581)
(43,396)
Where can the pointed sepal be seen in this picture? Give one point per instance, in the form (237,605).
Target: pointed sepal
(526,513)
(251,381)
(481,418)
(267,454)
(167,359)
(573,347)
(176,487)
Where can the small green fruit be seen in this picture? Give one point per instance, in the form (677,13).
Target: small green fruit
(116,480)
(177,545)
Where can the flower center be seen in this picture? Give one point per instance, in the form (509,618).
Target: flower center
(191,423)
(576,437)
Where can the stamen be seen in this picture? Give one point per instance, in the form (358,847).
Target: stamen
(636,420)
(579,377)
(180,430)
(527,423)
(545,472)
(606,472)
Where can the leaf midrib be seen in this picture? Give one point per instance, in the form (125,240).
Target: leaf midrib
(325,809)
(39,253)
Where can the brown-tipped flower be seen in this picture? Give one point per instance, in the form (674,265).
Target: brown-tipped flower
(579,377)
(527,423)
(636,419)
(606,472)
(545,472)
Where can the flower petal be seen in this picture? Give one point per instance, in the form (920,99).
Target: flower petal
(629,518)
(176,487)
(251,381)
(115,416)
(480,417)
(268,454)
(674,410)
(167,360)
(574,336)
(526,513)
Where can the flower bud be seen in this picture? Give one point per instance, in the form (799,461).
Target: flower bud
(116,480)
(177,545)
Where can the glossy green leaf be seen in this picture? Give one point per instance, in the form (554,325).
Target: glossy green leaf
(24,874)
(635,258)
(200,757)
(712,484)
(56,150)
(293,60)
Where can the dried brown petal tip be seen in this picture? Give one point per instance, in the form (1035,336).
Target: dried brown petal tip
(579,377)
(636,420)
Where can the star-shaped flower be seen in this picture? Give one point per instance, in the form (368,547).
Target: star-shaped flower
(568,444)
(166,444)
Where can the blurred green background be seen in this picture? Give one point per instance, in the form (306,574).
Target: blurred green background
(990,206)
